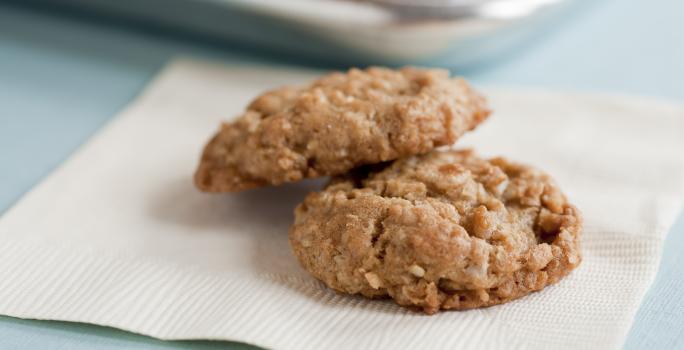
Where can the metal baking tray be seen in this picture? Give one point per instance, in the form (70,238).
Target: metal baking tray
(451,33)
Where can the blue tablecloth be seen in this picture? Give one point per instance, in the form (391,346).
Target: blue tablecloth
(62,77)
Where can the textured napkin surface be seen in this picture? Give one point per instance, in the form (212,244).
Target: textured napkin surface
(118,236)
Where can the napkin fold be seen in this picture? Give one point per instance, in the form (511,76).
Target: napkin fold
(118,236)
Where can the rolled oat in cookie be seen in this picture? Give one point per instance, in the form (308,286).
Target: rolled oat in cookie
(444,230)
(339,122)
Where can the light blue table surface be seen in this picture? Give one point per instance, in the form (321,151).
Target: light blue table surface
(62,77)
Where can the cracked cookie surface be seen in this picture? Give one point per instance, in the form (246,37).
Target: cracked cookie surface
(443,230)
(339,122)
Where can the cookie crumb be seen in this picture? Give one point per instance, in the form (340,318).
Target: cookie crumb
(373,280)
(417,270)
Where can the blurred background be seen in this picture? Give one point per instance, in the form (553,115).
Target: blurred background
(68,66)
(454,33)
(627,46)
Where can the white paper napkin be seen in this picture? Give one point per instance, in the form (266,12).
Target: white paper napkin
(118,236)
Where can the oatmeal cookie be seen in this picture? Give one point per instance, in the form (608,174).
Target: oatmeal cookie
(443,230)
(339,122)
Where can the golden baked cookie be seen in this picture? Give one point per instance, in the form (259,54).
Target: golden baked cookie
(339,122)
(444,230)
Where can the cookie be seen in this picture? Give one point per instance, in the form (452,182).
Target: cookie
(339,122)
(444,230)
